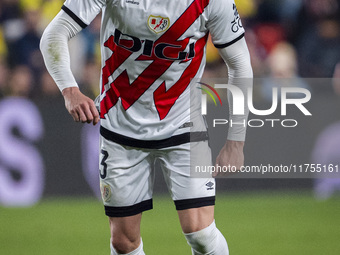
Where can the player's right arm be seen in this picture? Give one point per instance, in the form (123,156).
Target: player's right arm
(54,48)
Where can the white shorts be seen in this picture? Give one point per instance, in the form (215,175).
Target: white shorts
(127,177)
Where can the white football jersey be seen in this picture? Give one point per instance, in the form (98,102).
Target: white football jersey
(151,50)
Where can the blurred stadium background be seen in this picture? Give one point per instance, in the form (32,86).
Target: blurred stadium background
(48,164)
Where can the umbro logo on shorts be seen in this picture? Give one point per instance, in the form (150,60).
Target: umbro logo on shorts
(210,185)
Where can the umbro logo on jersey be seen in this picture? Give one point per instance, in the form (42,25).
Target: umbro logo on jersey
(158,24)
(132,2)
(187,125)
(210,185)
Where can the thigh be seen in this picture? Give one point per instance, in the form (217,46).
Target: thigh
(125,229)
(126,179)
(188,192)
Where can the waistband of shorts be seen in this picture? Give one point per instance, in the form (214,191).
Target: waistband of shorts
(154,144)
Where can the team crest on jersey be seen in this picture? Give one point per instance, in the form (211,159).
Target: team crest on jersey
(158,24)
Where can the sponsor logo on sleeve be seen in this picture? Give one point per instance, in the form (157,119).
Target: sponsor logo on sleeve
(236,24)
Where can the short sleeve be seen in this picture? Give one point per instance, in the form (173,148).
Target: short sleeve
(224,23)
(83,11)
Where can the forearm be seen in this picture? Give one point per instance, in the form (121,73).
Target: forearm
(240,74)
(54,48)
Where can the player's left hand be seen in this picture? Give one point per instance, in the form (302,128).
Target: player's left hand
(230,155)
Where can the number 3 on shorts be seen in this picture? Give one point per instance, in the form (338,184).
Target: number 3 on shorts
(103,165)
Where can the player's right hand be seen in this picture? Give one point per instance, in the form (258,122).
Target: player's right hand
(81,107)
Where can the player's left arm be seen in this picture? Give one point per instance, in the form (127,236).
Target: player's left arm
(240,74)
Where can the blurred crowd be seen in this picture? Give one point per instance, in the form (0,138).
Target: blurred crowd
(22,70)
(286,39)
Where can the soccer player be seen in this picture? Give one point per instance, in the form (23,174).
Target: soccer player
(151,51)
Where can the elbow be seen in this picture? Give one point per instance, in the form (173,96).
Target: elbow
(43,42)
(241,69)
(249,68)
